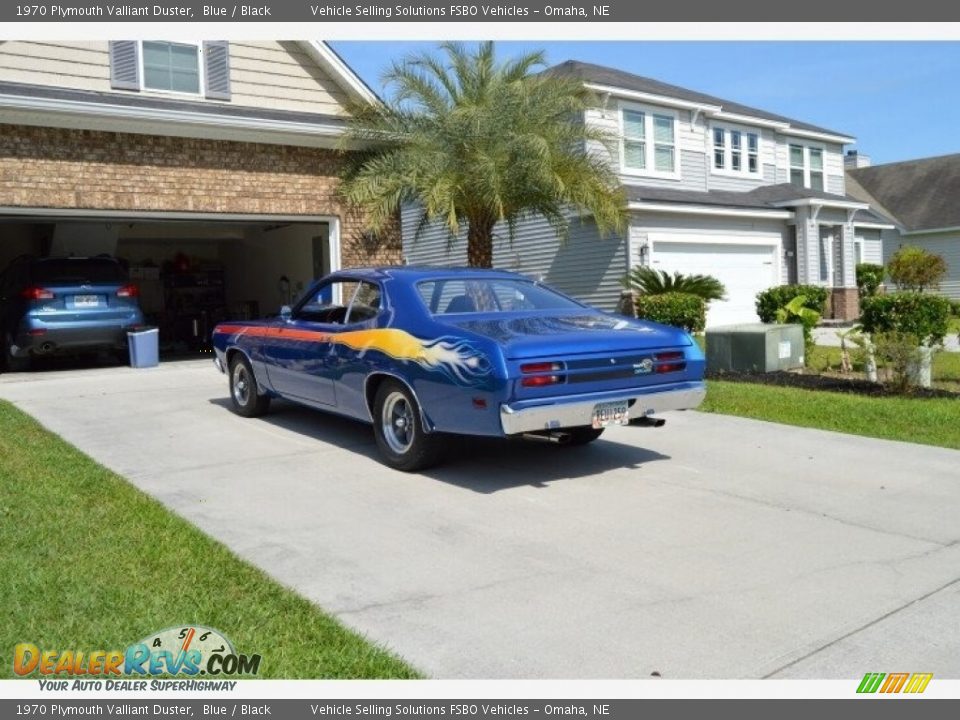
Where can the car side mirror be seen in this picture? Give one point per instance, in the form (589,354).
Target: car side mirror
(286,313)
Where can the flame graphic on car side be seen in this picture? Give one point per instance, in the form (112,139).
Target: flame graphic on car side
(457,359)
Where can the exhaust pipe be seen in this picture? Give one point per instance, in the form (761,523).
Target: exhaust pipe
(556,437)
(648,421)
(47,347)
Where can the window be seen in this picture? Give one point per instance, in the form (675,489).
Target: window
(736,151)
(634,139)
(649,142)
(806,167)
(174,67)
(816,168)
(360,302)
(451,296)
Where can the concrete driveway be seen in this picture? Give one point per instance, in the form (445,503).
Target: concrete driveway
(715,547)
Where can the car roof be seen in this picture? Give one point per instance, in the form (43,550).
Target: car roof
(415,273)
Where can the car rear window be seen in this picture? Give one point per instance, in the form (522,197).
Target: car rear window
(80,270)
(478,295)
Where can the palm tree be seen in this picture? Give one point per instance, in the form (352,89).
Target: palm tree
(474,142)
(649,281)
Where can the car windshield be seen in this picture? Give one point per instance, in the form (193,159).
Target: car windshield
(78,271)
(482,295)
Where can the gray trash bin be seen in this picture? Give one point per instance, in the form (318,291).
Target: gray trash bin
(144,345)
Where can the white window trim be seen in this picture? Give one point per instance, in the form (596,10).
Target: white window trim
(202,91)
(727,169)
(649,111)
(858,251)
(806,162)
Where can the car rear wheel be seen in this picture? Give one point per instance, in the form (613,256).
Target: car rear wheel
(244,393)
(583,435)
(398,429)
(13,364)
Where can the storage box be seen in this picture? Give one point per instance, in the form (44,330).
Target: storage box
(754,347)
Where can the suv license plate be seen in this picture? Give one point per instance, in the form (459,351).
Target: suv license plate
(86,300)
(611,413)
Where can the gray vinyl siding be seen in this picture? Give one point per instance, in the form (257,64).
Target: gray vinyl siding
(946,244)
(586,266)
(835,184)
(872,244)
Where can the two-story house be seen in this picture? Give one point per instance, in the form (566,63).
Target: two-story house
(715,187)
(210,167)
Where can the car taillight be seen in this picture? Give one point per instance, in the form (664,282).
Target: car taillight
(536,376)
(37,293)
(667,362)
(128,291)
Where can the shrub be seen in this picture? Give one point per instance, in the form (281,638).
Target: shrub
(913,268)
(869,278)
(925,317)
(777,298)
(955,307)
(681,310)
(900,355)
(649,281)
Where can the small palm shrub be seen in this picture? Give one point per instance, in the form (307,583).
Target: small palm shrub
(649,281)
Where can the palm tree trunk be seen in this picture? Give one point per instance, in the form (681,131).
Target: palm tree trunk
(480,243)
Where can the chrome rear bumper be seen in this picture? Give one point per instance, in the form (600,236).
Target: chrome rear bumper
(576,411)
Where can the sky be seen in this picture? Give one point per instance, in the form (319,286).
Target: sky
(901,100)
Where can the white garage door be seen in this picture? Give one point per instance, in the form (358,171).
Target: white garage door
(744,268)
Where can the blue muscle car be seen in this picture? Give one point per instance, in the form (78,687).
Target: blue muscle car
(419,352)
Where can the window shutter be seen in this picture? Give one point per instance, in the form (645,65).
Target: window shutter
(216,68)
(124,65)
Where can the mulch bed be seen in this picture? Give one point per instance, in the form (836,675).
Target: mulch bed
(813,381)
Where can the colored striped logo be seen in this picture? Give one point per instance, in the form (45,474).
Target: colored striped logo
(913,683)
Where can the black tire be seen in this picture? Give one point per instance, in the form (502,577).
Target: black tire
(582,436)
(11,363)
(398,429)
(245,397)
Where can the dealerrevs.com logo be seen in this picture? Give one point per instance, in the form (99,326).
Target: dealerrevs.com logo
(892,683)
(190,650)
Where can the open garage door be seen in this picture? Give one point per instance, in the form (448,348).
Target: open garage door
(745,267)
(192,271)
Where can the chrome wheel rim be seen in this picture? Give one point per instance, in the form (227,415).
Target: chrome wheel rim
(241,384)
(397,423)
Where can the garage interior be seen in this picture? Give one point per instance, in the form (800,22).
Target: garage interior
(191,274)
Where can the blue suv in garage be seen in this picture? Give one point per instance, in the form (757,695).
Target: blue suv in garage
(64,305)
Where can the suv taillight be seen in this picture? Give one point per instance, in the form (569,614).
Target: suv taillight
(36,293)
(128,291)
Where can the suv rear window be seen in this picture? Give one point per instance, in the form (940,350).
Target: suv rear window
(79,271)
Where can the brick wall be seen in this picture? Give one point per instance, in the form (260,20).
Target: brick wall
(91,170)
(845,304)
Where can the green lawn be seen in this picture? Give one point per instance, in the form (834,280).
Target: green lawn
(946,365)
(88,562)
(927,421)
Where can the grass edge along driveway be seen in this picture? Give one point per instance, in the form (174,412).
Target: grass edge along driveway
(91,563)
(928,421)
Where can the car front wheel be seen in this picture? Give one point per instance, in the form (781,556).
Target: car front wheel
(398,429)
(245,397)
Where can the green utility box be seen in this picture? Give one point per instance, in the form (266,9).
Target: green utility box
(755,347)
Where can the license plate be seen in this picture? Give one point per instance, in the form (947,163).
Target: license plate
(611,413)
(86,300)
